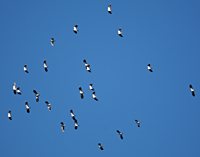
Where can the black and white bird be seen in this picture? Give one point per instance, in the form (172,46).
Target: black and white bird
(18,91)
(72,114)
(45,66)
(75,29)
(120,134)
(81,92)
(9,115)
(90,86)
(138,123)
(48,105)
(37,95)
(109,9)
(52,41)
(100,146)
(119,32)
(62,126)
(87,66)
(94,96)
(76,124)
(14,88)
(192,90)
(27,107)
(149,68)
(25,69)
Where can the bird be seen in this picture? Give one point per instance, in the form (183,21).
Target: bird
(138,123)
(192,90)
(37,95)
(27,107)
(90,87)
(9,115)
(45,66)
(14,88)
(18,91)
(87,66)
(72,114)
(25,69)
(120,134)
(149,68)
(94,96)
(81,92)
(49,105)
(76,124)
(52,41)
(62,126)
(75,29)
(109,9)
(100,146)
(120,33)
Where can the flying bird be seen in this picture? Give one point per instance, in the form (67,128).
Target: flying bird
(81,92)
(27,107)
(25,69)
(14,88)
(52,41)
(120,33)
(76,124)
(75,29)
(138,123)
(87,66)
(192,90)
(49,105)
(37,95)
(72,114)
(94,96)
(149,68)
(62,126)
(120,134)
(100,146)
(109,9)
(90,87)
(18,91)
(9,115)
(45,66)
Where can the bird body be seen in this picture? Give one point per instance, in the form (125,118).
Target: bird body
(45,66)
(27,107)
(14,88)
(52,41)
(149,68)
(9,115)
(48,105)
(25,69)
(100,146)
(109,9)
(75,29)
(94,96)
(192,90)
(90,87)
(138,123)
(18,91)
(120,134)
(62,126)
(36,95)
(119,32)
(81,92)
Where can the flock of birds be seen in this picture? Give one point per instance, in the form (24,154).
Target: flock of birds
(17,90)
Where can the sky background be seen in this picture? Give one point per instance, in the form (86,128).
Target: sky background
(163,33)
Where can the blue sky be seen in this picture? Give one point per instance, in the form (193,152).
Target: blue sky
(163,33)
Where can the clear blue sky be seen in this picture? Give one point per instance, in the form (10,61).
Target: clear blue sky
(163,33)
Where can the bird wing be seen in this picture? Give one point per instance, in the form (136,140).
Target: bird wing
(148,65)
(193,93)
(34,91)
(84,61)
(46,102)
(37,99)
(82,96)
(121,136)
(118,131)
(120,29)
(80,88)
(76,26)
(45,62)
(190,86)
(25,66)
